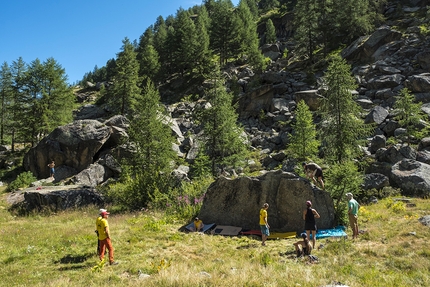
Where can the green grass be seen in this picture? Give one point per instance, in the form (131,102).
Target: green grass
(59,250)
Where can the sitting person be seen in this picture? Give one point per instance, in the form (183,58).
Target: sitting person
(198,224)
(303,247)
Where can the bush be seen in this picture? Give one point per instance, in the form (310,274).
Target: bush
(23,180)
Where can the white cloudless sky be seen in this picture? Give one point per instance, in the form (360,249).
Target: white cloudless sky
(78,34)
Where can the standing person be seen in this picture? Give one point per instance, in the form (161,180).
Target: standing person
(264,225)
(353,208)
(52,169)
(104,237)
(303,247)
(97,223)
(309,215)
(312,171)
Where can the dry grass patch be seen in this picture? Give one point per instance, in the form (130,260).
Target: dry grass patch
(59,250)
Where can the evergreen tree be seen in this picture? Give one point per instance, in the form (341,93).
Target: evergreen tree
(303,142)
(18,107)
(125,90)
(6,98)
(203,55)
(306,22)
(341,128)
(253,7)
(147,57)
(185,42)
(224,140)
(267,5)
(409,114)
(151,138)
(270,32)
(224,31)
(57,97)
(351,18)
(248,37)
(343,178)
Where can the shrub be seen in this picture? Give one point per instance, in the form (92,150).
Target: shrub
(23,180)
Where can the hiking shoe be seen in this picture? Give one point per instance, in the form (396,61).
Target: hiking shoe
(114,263)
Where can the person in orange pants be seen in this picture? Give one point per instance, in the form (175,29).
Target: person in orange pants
(104,237)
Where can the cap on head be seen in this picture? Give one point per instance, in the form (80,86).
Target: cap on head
(303,235)
(104,213)
(196,219)
(102,210)
(265,205)
(308,203)
(304,163)
(349,195)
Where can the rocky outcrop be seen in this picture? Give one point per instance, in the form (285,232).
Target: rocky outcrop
(412,177)
(237,202)
(54,198)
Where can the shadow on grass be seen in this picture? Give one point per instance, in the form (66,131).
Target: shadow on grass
(73,267)
(73,259)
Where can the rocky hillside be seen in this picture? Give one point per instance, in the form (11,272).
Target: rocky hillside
(394,56)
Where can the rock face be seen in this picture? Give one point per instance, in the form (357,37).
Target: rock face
(56,198)
(73,145)
(237,202)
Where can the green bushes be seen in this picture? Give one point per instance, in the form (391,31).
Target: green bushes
(23,180)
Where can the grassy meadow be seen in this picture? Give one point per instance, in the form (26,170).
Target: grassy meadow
(60,250)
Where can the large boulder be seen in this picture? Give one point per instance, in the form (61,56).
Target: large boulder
(237,202)
(74,145)
(412,177)
(54,198)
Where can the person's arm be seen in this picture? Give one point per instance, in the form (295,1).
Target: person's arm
(265,220)
(107,232)
(304,214)
(316,214)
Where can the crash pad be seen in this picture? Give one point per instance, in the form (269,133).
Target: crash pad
(275,235)
(226,230)
(338,231)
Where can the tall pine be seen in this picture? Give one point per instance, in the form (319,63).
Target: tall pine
(342,128)
(125,90)
(224,139)
(303,139)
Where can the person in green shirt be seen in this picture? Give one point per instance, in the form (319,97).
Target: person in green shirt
(353,208)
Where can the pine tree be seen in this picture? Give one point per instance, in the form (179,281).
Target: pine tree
(18,107)
(224,31)
(185,42)
(203,55)
(224,140)
(306,22)
(303,141)
(248,37)
(341,128)
(270,32)
(6,99)
(151,138)
(409,114)
(125,90)
(57,97)
(147,56)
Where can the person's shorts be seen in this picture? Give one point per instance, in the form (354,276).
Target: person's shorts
(264,230)
(310,226)
(352,219)
(319,173)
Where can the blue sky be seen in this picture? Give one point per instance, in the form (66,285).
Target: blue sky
(78,34)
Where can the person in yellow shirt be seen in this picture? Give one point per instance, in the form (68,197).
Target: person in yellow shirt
(198,224)
(264,225)
(97,223)
(103,231)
